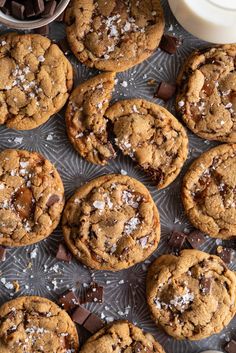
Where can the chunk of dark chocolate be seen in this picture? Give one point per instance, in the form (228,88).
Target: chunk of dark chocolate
(231,347)
(169,44)
(17,10)
(63,254)
(165,91)
(93,323)
(69,301)
(196,239)
(80,315)
(226,254)
(94,294)
(177,240)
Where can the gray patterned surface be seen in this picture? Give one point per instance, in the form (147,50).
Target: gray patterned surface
(124,290)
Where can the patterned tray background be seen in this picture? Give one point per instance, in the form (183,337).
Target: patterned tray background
(124,290)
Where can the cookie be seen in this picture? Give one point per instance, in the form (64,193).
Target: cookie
(151,136)
(86,125)
(208,192)
(111,223)
(121,336)
(31,198)
(191,296)
(207,93)
(35,324)
(114,35)
(36,79)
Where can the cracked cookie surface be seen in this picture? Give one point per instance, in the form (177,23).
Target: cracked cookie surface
(35,324)
(122,336)
(191,296)
(111,223)
(207,93)
(151,136)
(208,192)
(36,79)
(86,124)
(114,35)
(31,197)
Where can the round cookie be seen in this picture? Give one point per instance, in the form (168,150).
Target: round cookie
(114,35)
(111,223)
(207,93)
(86,125)
(191,296)
(151,136)
(35,324)
(31,198)
(36,79)
(208,192)
(121,336)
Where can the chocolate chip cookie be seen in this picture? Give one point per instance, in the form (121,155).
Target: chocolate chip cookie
(208,192)
(114,35)
(35,324)
(151,136)
(191,296)
(207,93)
(31,198)
(122,336)
(36,79)
(86,124)
(111,223)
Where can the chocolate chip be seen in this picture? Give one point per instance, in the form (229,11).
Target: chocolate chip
(2,3)
(17,10)
(52,200)
(44,31)
(93,323)
(226,254)
(3,252)
(39,6)
(63,254)
(29,9)
(64,46)
(49,9)
(68,301)
(80,315)
(196,239)
(169,44)
(165,91)
(205,285)
(231,347)
(94,294)
(177,240)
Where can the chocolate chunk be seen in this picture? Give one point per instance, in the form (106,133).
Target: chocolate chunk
(205,285)
(94,294)
(39,6)
(80,315)
(93,323)
(226,254)
(231,347)
(60,18)
(169,44)
(52,200)
(44,31)
(17,10)
(68,301)
(165,91)
(63,254)
(2,3)
(177,240)
(64,46)
(23,202)
(196,239)
(49,9)
(29,9)
(3,252)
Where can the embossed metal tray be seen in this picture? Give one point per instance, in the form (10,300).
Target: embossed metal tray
(36,268)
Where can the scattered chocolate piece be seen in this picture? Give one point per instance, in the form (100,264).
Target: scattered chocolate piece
(169,44)
(205,285)
(226,254)
(177,240)
(64,46)
(2,3)
(165,91)
(231,347)
(3,252)
(196,239)
(80,315)
(63,254)
(39,6)
(69,301)
(44,31)
(49,9)
(29,9)
(17,10)
(94,294)
(93,323)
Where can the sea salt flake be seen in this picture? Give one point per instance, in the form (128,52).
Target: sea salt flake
(100,205)
(124,84)
(41,58)
(131,225)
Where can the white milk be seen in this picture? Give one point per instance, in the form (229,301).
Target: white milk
(211,20)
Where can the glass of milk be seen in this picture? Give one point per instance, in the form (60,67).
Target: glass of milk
(210,20)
